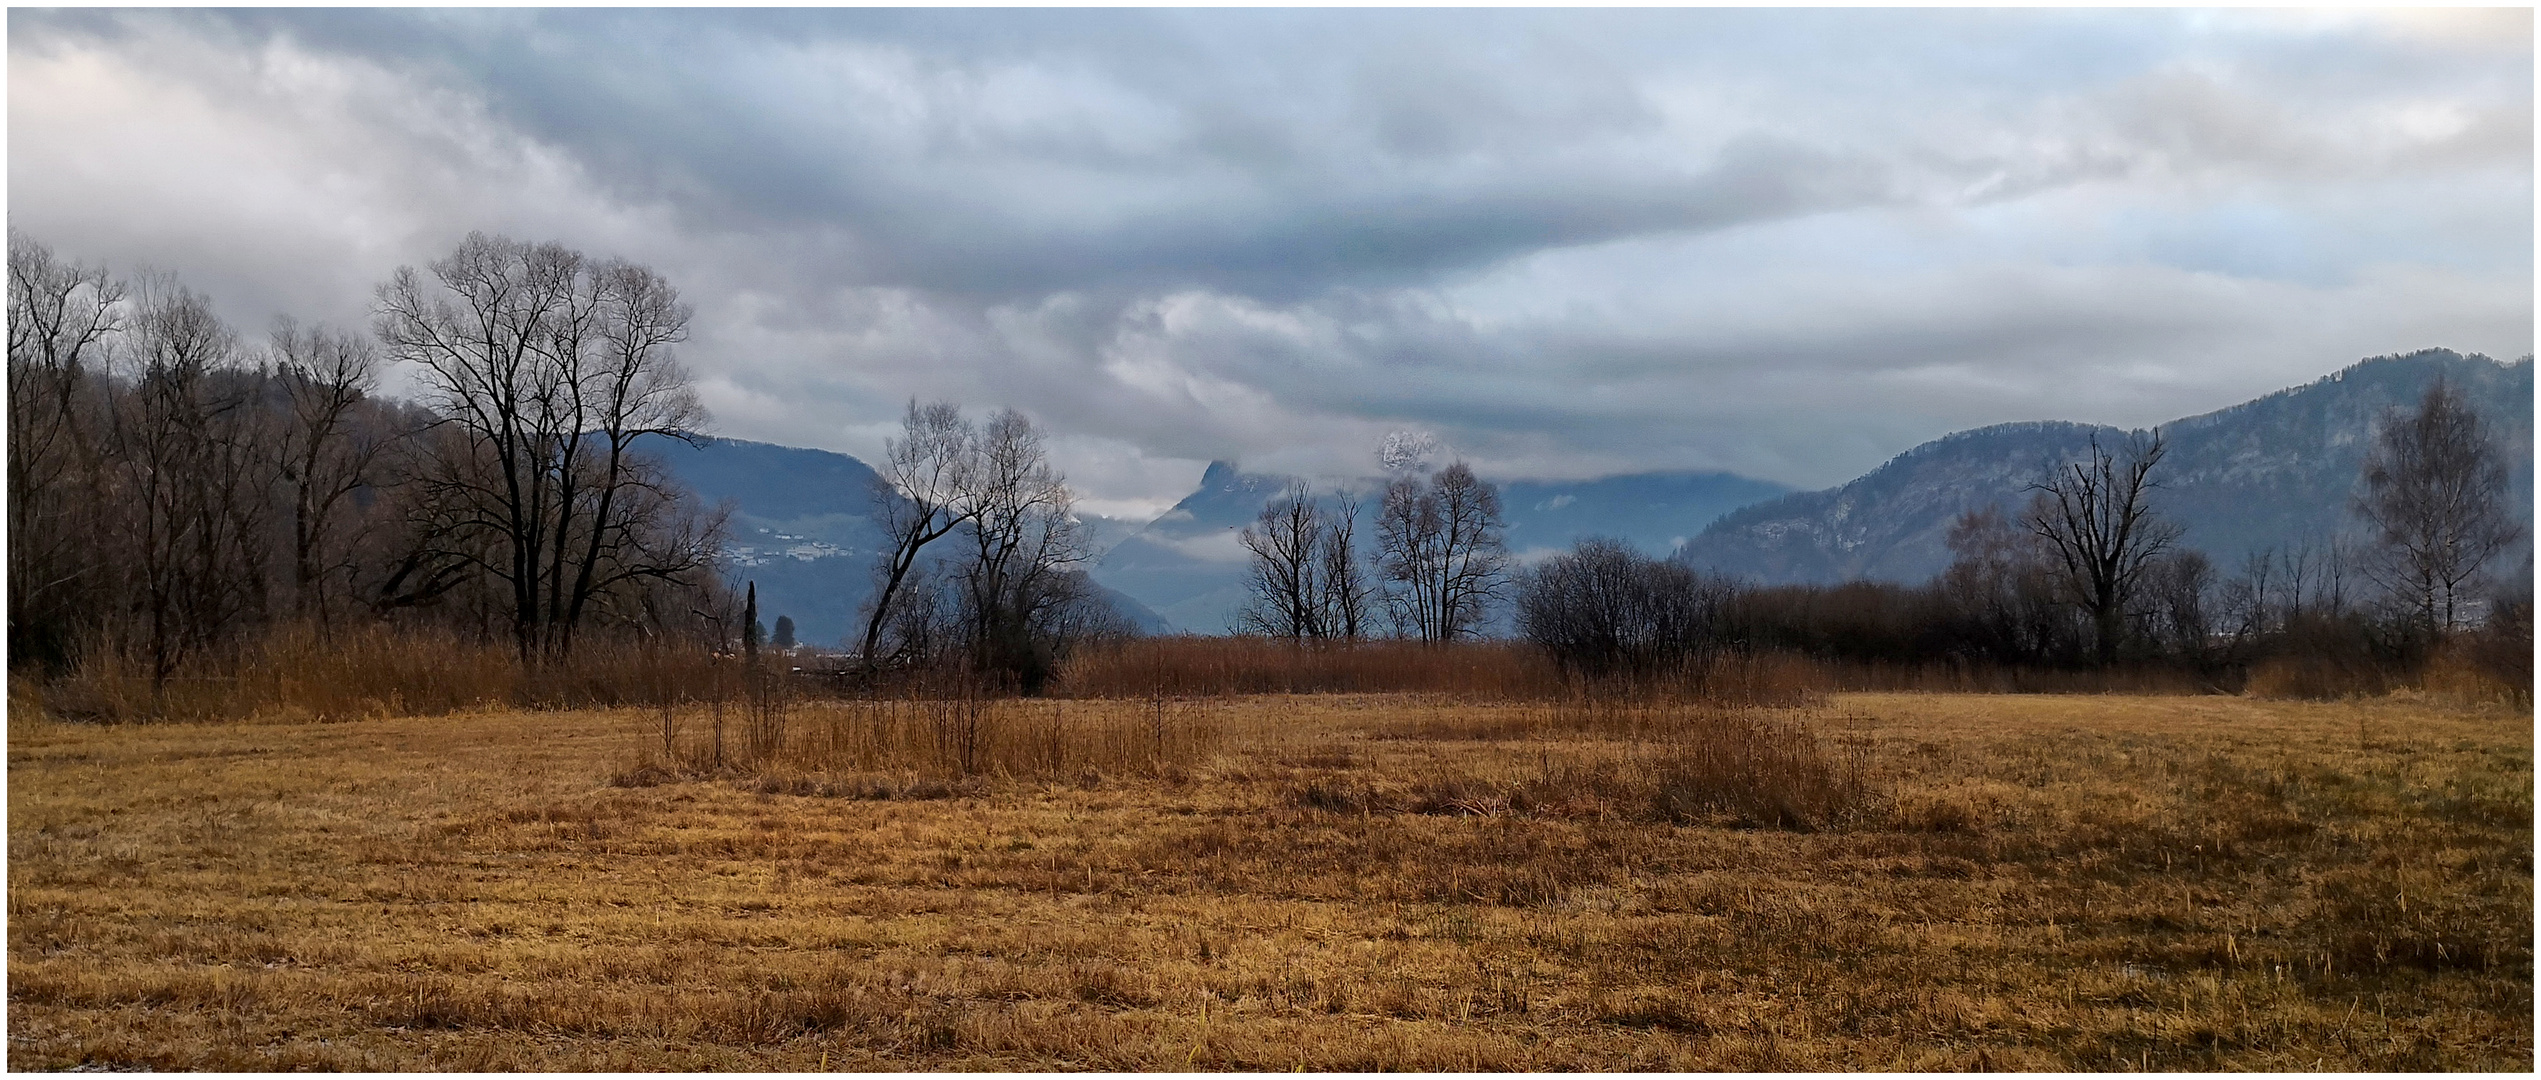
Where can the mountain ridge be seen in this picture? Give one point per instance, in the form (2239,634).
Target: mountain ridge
(2277,469)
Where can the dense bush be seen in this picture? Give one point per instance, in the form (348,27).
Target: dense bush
(1604,610)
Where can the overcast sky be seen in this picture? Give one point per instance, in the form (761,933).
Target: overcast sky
(1783,243)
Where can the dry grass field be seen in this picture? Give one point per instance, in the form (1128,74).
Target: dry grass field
(1326,882)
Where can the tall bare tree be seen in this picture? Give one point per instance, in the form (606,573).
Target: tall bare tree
(61,316)
(2097,520)
(1305,581)
(191,462)
(1441,543)
(1017,573)
(2434,495)
(924,489)
(1345,582)
(1286,576)
(551,366)
(328,453)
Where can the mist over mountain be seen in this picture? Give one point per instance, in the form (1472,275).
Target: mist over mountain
(2278,470)
(1189,566)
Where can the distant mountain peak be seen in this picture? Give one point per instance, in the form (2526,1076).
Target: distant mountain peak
(1188,566)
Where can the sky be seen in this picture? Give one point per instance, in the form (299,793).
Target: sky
(1783,243)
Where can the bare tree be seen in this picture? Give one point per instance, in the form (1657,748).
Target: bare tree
(925,621)
(1286,575)
(327,453)
(2434,494)
(1025,541)
(924,489)
(61,316)
(2097,519)
(552,366)
(1603,609)
(1345,582)
(186,453)
(2176,613)
(1305,581)
(2281,586)
(1441,543)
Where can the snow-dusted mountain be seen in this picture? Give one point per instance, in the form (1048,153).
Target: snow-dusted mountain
(2279,470)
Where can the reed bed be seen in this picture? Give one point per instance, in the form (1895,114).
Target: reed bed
(302,672)
(1650,761)
(1204,666)
(917,746)
(1465,671)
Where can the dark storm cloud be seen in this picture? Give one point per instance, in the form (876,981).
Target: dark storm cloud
(1788,242)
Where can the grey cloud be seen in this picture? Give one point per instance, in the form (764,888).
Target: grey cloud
(1788,243)
(653,108)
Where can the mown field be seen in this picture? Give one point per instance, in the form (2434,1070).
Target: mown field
(1326,882)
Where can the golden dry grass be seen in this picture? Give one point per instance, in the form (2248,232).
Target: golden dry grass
(1334,883)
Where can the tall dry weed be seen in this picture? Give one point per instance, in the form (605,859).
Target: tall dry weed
(2480,670)
(300,672)
(2318,678)
(1751,770)
(1470,671)
(1668,762)
(1966,677)
(1210,667)
(921,746)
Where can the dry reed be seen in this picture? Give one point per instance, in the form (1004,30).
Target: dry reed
(1667,761)
(917,746)
(1198,666)
(2480,669)
(301,672)
(1963,677)
(2316,678)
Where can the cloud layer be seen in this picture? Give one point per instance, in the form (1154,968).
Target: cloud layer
(1785,243)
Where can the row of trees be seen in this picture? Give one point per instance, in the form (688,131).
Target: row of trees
(1441,560)
(174,488)
(2090,574)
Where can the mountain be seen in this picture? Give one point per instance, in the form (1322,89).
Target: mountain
(1657,512)
(1189,566)
(2279,470)
(805,528)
